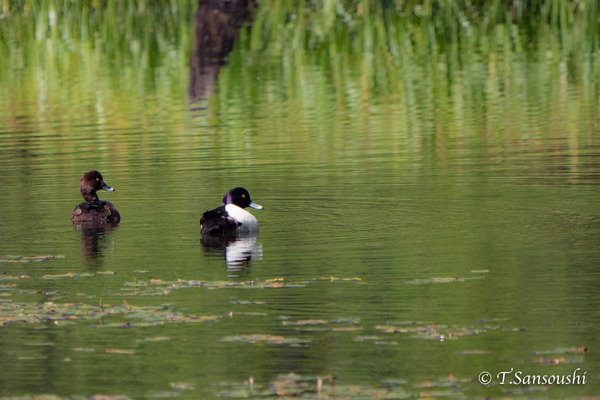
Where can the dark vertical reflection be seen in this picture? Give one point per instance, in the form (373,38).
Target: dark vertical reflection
(94,240)
(216,26)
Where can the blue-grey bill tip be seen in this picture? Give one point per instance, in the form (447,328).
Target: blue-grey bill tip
(257,206)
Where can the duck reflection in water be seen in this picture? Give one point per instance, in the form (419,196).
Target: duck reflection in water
(238,252)
(232,230)
(96,241)
(94,218)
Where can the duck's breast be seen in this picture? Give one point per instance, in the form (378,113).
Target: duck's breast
(95,211)
(247,223)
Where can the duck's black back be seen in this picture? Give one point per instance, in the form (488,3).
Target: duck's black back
(218,223)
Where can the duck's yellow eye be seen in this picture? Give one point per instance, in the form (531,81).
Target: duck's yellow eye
(98,179)
(244,196)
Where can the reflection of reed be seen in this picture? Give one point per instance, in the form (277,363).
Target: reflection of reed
(216,26)
(412,81)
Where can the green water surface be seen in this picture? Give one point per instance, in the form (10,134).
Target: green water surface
(430,184)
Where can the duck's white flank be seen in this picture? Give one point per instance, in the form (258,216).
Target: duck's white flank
(247,220)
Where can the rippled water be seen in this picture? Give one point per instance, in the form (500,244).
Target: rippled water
(401,255)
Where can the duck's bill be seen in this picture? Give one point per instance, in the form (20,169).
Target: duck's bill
(107,188)
(257,206)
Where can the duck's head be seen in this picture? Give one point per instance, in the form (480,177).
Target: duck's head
(241,198)
(90,183)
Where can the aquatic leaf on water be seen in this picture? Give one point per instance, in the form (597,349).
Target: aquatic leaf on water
(182,385)
(136,283)
(231,314)
(293,385)
(266,338)
(239,390)
(306,322)
(83,349)
(68,275)
(154,287)
(156,339)
(37,397)
(523,390)
(9,277)
(120,351)
(346,328)
(126,315)
(440,393)
(367,338)
(442,280)
(36,312)
(55,397)
(375,339)
(560,360)
(26,259)
(336,279)
(447,387)
(495,319)
(445,382)
(472,352)
(248,302)
(562,350)
(322,324)
(441,332)
(163,395)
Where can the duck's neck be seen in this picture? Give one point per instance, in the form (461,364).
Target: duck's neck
(89,195)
